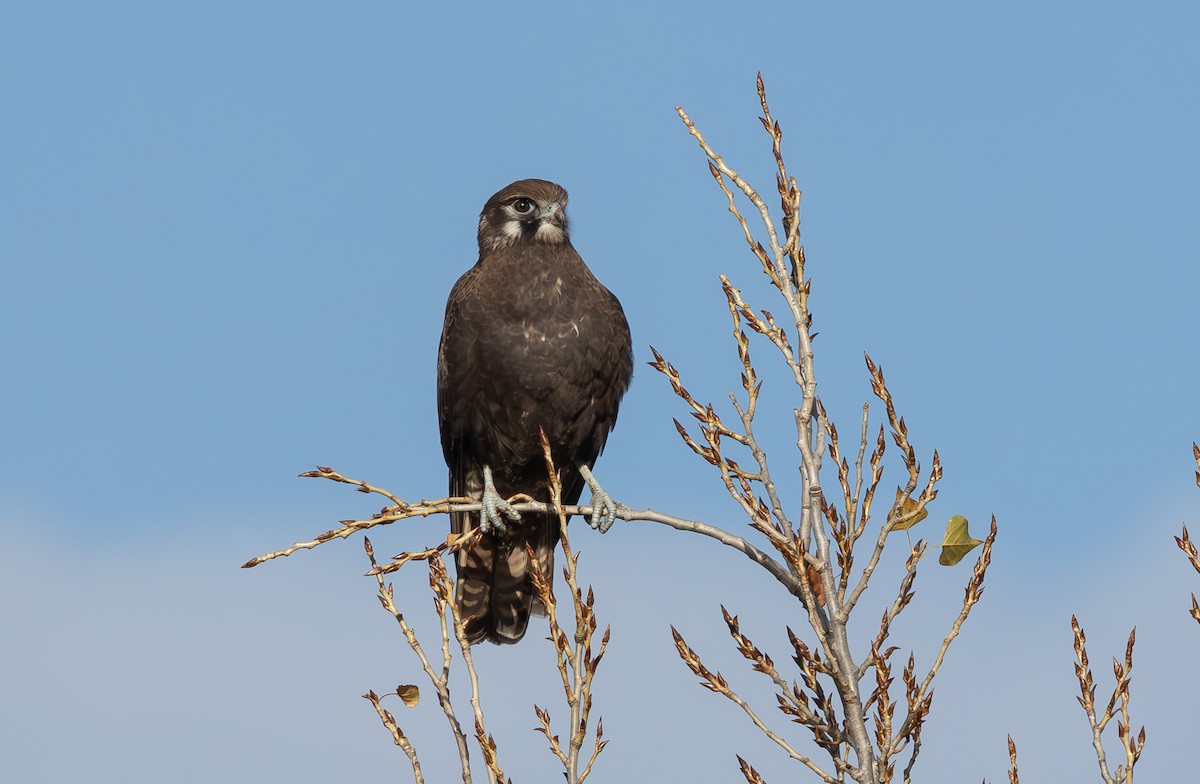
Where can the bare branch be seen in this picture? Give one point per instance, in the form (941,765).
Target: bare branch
(716,683)
(440,680)
(1189,548)
(573,655)
(398,736)
(1118,704)
(1185,543)
(443,588)
(819,551)
(447,505)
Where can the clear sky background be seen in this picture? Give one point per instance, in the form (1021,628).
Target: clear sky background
(227,232)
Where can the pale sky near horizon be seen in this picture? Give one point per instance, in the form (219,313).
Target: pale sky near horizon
(227,232)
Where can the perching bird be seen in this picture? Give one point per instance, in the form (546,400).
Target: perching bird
(531,339)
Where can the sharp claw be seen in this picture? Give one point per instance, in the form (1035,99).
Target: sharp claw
(495,508)
(614,512)
(604,508)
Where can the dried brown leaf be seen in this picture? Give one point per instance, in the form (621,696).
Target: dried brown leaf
(911,512)
(409,693)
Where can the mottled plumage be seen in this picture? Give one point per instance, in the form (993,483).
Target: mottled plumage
(531,339)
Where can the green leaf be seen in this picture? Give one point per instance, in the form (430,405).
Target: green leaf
(958,542)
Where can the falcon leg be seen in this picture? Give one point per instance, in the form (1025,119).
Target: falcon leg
(490,518)
(604,508)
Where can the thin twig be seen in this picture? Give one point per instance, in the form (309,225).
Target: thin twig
(398,736)
(1185,543)
(573,656)
(440,680)
(1118,705)
(716,683)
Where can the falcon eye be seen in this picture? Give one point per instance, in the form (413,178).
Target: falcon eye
(523,206)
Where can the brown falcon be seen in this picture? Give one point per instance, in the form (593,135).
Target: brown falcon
(531,340)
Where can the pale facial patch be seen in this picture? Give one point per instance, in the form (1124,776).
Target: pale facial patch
(550,232)
(511,231)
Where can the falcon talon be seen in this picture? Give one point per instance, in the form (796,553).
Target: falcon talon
(494,506)
(490,520)
(604,517)
(612,516)
(602,514)
(604,508)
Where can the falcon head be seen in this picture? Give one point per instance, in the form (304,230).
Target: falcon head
(528,211)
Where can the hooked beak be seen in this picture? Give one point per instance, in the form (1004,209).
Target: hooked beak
(554,213)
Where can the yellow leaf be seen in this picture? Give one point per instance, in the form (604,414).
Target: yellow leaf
(910,514)
(410,694)
(958,542)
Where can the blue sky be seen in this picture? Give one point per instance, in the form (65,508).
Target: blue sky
(227,233)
